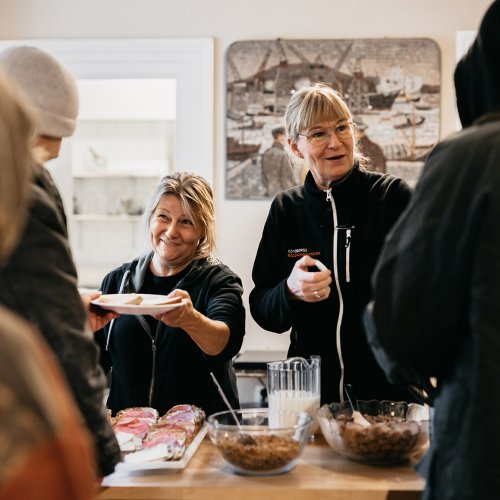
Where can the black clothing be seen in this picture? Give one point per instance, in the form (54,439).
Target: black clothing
(39,282)
(160,366)
(304,220)
(437,286)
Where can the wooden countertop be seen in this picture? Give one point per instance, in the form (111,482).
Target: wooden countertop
(320,474)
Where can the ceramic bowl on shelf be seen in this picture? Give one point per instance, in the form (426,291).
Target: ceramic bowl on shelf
(264,443)
(397,430)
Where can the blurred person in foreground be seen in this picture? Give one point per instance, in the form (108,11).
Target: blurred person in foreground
(166,360)
(340,216)
(45,449)
(437,286)
(39,281)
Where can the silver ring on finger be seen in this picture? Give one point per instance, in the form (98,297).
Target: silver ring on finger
(316,294)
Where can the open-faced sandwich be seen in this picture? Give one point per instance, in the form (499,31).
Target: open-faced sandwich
(143,436)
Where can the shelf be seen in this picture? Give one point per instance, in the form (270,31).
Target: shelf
(105,218)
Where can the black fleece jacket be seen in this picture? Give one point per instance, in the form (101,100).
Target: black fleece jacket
(303,220)
(40,283)
(176,370)
(436,311)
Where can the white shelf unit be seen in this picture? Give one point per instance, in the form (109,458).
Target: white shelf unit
(106,218)
(115,166)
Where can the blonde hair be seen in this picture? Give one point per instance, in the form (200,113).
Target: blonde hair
(16,136)
(315,104)
(197,201)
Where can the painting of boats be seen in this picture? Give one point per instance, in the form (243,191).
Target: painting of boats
(392,85)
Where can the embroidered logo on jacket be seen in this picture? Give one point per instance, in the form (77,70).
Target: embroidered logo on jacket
(300,252)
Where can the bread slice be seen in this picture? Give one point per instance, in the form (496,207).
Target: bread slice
(136,300)
(171,300)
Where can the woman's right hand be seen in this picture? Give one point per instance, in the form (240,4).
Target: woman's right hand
(306,285)
(210,335)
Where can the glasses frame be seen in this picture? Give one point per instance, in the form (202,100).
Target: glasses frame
(332,129)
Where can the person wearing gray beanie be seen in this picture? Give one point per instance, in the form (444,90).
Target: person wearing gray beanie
(49,88)
(39,282)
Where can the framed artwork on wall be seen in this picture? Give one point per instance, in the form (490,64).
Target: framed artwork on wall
(391,85)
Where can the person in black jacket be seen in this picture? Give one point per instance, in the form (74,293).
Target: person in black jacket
(436,311)
(166,360)
(339,217)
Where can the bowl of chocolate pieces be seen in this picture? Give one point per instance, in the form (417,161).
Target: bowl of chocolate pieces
(385,432)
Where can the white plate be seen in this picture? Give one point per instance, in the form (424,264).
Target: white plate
(151,304)
(166,464)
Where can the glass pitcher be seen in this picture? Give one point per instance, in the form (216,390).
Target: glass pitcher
(293,385)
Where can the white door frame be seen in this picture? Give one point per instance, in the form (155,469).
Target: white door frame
(189,60)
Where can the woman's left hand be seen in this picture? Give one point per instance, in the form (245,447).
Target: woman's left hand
(97,316)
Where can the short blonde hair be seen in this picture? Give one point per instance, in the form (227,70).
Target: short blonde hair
(17,133)
(315,104)
(197,201)
(311,105)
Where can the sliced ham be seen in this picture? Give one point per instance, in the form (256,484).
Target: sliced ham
(143,436)
(139,412)
(172,435)
(132,425)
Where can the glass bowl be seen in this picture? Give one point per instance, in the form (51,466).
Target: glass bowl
(266,442)
(397,432)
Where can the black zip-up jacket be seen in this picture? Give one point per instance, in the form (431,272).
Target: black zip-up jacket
(436,311)
(165,367)
(344,227)
(40,283)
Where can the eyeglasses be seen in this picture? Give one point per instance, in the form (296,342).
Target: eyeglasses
(321,136)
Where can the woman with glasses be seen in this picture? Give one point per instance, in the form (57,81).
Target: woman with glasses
(320,244)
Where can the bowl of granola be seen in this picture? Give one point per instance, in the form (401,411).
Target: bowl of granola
(258,441)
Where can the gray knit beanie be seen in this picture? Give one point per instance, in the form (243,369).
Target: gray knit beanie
(48,86)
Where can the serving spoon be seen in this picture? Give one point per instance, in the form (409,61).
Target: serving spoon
(243,438)
(356,414)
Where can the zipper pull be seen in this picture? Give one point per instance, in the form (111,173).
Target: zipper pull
(348,238)
(328,194)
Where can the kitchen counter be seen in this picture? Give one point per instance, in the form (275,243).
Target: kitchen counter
(320,474)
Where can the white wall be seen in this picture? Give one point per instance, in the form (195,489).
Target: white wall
(240,222)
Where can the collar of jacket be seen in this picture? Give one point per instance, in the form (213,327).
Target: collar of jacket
(346,181)
(140,266)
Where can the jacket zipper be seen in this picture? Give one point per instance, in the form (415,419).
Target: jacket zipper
(153,369)
(329,198)
(348,255)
